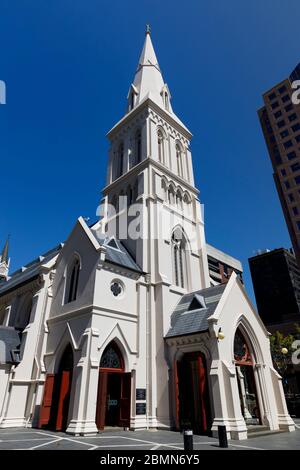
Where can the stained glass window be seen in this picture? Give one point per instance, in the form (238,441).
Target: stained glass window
(111,359)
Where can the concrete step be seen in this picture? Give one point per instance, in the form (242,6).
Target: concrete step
(268,432)
(256,428)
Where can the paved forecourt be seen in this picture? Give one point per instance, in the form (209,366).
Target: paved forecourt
(35,439)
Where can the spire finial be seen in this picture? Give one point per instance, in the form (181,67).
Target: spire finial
(148,29)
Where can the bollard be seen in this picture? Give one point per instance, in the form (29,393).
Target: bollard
(188,439)
(222,436)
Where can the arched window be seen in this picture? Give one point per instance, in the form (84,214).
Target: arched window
(72,281)
(131,100)
(166,101)
(179,161)
(171,195)
(129,195)
(112,357)
(138,146)
(160,141)
(178,200)
(120,160)
(179,259)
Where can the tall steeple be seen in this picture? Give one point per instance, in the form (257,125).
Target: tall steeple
(148,80)
(4,261)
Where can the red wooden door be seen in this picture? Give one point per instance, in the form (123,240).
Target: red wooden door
(63,402)
(45,410)
(101,400)
(203,392)
(125,400)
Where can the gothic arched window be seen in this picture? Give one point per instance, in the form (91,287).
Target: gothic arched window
(112,357)
(179,161)
(72,280)
(138,147)
(160,142)
(179,259)
(120,160)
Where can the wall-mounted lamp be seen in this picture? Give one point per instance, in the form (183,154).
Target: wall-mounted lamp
(284,351)
(220,334)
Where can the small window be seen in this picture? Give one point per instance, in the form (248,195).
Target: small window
(283,172)
(284,134)
(288,107)
(296,127)
(295,210)
(291,155)
(285,98)
(298,224)
(281,123)
(288,144)
(292,117)
(282,89)
(297,179)
(72,281)
(295,166)
(272,96)
(287,184)
(277,114)
(291,197)
(275,105)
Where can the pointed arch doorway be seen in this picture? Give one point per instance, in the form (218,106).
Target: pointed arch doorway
(114,390)
(192,395)
(244,364)
(57,390)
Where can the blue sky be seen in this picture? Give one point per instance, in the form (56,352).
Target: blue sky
(68,65)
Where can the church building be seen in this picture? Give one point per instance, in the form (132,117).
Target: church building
(122,324)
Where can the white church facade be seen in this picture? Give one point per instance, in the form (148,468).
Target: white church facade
(121,325)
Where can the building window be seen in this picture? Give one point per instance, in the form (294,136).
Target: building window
(298,224)
(296,127)
(179,161)
(272,96)
(166,101)
(111,357)
(295,166)
(160,141)
(291,155)
(288,144)
(283,172)
(277,114)
(138,146)
(121,159)
(297,138)
(297,179)
(295,210)
(171,195)
(285,98)
(282,89)
(292,117)
(275,105)
(291,197)
(72,281)
(289,107)
(281,124)
(179,259)
(287,184)
(284,134)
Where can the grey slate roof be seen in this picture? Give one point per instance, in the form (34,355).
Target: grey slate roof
(9,340)
(28,271)
(116,252)
(185,321)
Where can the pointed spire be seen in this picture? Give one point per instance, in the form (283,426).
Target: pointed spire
(4,255)
(148,81)
(4,262)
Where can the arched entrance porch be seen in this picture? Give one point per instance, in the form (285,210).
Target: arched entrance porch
(245,362)
(56,400)
(114,390)
(192,395)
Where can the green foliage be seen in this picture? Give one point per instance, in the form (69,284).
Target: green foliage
(278,341)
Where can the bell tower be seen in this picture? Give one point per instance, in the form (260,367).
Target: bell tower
(150,201)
